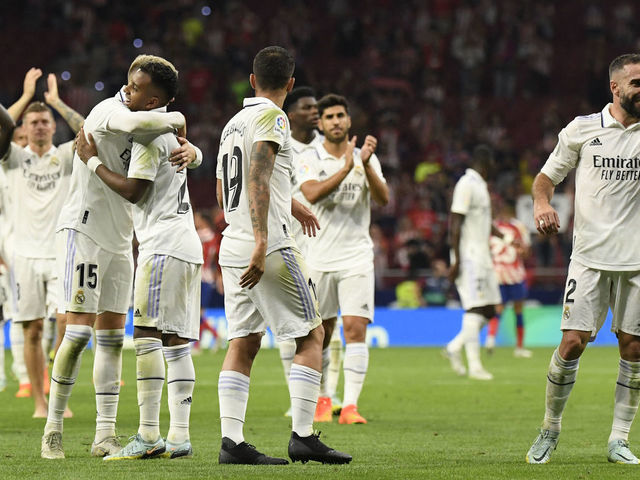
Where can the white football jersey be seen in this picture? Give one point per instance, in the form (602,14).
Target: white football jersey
(163,218)
(39,186)
(606,156)
(298,149)
(259,120)
(343,240)
(92,207)
(471,199)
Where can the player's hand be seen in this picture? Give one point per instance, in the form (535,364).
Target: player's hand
(85,147)
(546,218)
(51,96)
(306,218)
(454,271)
(370,144)
(252,275)
(183,155)
(29,85)
(348,155)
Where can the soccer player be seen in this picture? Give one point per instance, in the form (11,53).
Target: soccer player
(508,254)
(471,265)
(605,263)
(340,180)
(264,275)
(167,281)
(95,265)
(302,112)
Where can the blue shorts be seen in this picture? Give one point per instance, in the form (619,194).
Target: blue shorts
(513,292)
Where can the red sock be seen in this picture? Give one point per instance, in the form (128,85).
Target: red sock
(520,336)
(492,329)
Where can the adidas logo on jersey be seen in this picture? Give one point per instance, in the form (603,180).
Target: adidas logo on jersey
(186,401)
(595,142)
(137,313)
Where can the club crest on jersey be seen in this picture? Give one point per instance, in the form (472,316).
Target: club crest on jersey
(80,297)
(55,161)
(566,312)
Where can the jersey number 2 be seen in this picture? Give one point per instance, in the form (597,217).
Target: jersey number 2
(232,173)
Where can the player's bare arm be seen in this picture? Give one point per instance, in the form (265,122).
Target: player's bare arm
(51,96)
(7,125)
(316,190)
(544,215)
(263,158)
(379,189)
(28,91)
(131,189)
(186,155)
(455,228)
(219,192)
(306,218)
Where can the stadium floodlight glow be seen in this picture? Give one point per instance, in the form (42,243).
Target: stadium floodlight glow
(138,43)
(99,86)
(206,11)
(65,75)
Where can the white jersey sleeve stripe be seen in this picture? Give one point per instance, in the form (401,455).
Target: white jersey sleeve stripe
(301,285)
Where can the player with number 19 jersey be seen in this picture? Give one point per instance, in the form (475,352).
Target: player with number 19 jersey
(259,120)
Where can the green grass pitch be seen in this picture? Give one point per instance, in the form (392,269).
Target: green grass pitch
(424,422)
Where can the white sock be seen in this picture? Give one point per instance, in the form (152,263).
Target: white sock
(355,365)
(626,399)
(456,343)
(233,395)
(287,352)
(181,378)
(335,361)
(471,325)
(304,386)
(107,371)
(19,368)
(560,379)
(150,380)
(64,373)
(326,360)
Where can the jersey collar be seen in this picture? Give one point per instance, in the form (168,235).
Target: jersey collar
(51,151)
(251,101)
(608,121)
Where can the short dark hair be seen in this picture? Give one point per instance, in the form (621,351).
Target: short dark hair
(37,107)
(619,63)
(295,95)
(273,67)
(163,75)
(482,155)
(331,100)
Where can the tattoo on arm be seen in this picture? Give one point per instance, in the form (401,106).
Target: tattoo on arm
(262,161)
(73,118)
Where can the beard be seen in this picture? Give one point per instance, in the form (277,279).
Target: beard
(629,105)
(335,138)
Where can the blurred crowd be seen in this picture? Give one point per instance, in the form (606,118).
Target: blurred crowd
(429,78)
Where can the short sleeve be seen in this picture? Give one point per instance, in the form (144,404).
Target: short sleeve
(145,160)
(565,156)
(377,167)
(271,126)
(461,202)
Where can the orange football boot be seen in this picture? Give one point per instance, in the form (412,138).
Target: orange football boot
(323,410)
(349,415)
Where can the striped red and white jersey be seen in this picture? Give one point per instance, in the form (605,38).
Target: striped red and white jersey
(507,262)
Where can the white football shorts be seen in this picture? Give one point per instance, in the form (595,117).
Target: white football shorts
(590,293)
(92,279)
(351,291)
(477,285)
(283,299)
(34,288)
(166,296)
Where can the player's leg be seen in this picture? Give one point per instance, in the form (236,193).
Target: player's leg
(520,351)
(356,299)
(324,407)
(114,285)
(585,307)
(245,327)
(287,349)
(18,367)
(494,322)
(34,360)
(290,305)
(335,363)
